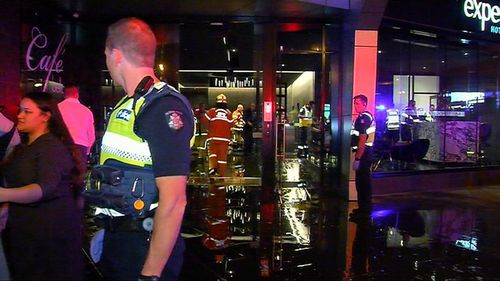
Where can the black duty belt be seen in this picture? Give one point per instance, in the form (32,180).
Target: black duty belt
(125,224)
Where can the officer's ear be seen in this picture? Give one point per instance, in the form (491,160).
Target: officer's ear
(116,55)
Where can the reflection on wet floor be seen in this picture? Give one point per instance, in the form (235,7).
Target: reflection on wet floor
(304,234)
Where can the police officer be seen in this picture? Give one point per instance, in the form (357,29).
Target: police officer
(408,117)
(363,136)
(150,128)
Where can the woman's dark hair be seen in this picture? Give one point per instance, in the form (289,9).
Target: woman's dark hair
(56,126)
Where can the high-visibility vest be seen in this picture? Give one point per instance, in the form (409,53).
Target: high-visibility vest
(120,142)
(370,131)
(305,117)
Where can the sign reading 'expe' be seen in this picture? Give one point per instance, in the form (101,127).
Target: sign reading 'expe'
(484,12)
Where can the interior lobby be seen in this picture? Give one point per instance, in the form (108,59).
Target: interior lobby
(430,70)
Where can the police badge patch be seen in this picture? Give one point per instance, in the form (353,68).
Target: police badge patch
(174,119)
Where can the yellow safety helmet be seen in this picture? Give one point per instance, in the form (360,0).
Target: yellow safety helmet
(221,98)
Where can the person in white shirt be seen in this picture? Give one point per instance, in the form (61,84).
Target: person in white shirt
(79,120)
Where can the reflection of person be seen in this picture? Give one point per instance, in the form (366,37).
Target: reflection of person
(148,131)
(361,246)
(250,118)
(363,136)
(220,121)
(78,119)
(43,236)
(305,121)
(216,221)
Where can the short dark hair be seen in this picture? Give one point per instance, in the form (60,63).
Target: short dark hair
(363,98)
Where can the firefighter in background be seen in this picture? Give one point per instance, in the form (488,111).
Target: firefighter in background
(239,123)
(305,122)
(220,122)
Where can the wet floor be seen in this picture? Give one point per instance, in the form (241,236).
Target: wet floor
(297,232)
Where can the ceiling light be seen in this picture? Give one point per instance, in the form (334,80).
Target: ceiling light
(423,33)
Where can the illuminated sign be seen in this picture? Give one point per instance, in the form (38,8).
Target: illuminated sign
(326,111)
(48,63)
(268,111)
(484,13)
(235,82)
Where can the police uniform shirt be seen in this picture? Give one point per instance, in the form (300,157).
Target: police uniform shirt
(167,126)
(362,123)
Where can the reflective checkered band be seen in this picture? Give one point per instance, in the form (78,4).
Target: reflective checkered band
(126,154)
(126,148)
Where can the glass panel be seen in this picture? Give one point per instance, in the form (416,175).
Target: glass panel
(454,83)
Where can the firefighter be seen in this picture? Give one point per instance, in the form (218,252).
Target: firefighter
(239,123)
(220,122)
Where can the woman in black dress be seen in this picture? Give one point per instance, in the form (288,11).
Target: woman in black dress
(43,236)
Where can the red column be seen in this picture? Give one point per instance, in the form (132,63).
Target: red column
(365,66)
(364,78)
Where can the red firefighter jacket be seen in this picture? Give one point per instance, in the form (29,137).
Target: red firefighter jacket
(220,122)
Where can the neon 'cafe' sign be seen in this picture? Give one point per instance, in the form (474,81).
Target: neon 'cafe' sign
(51,60)
(485,13)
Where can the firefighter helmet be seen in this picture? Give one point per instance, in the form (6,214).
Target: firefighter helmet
(221,98)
